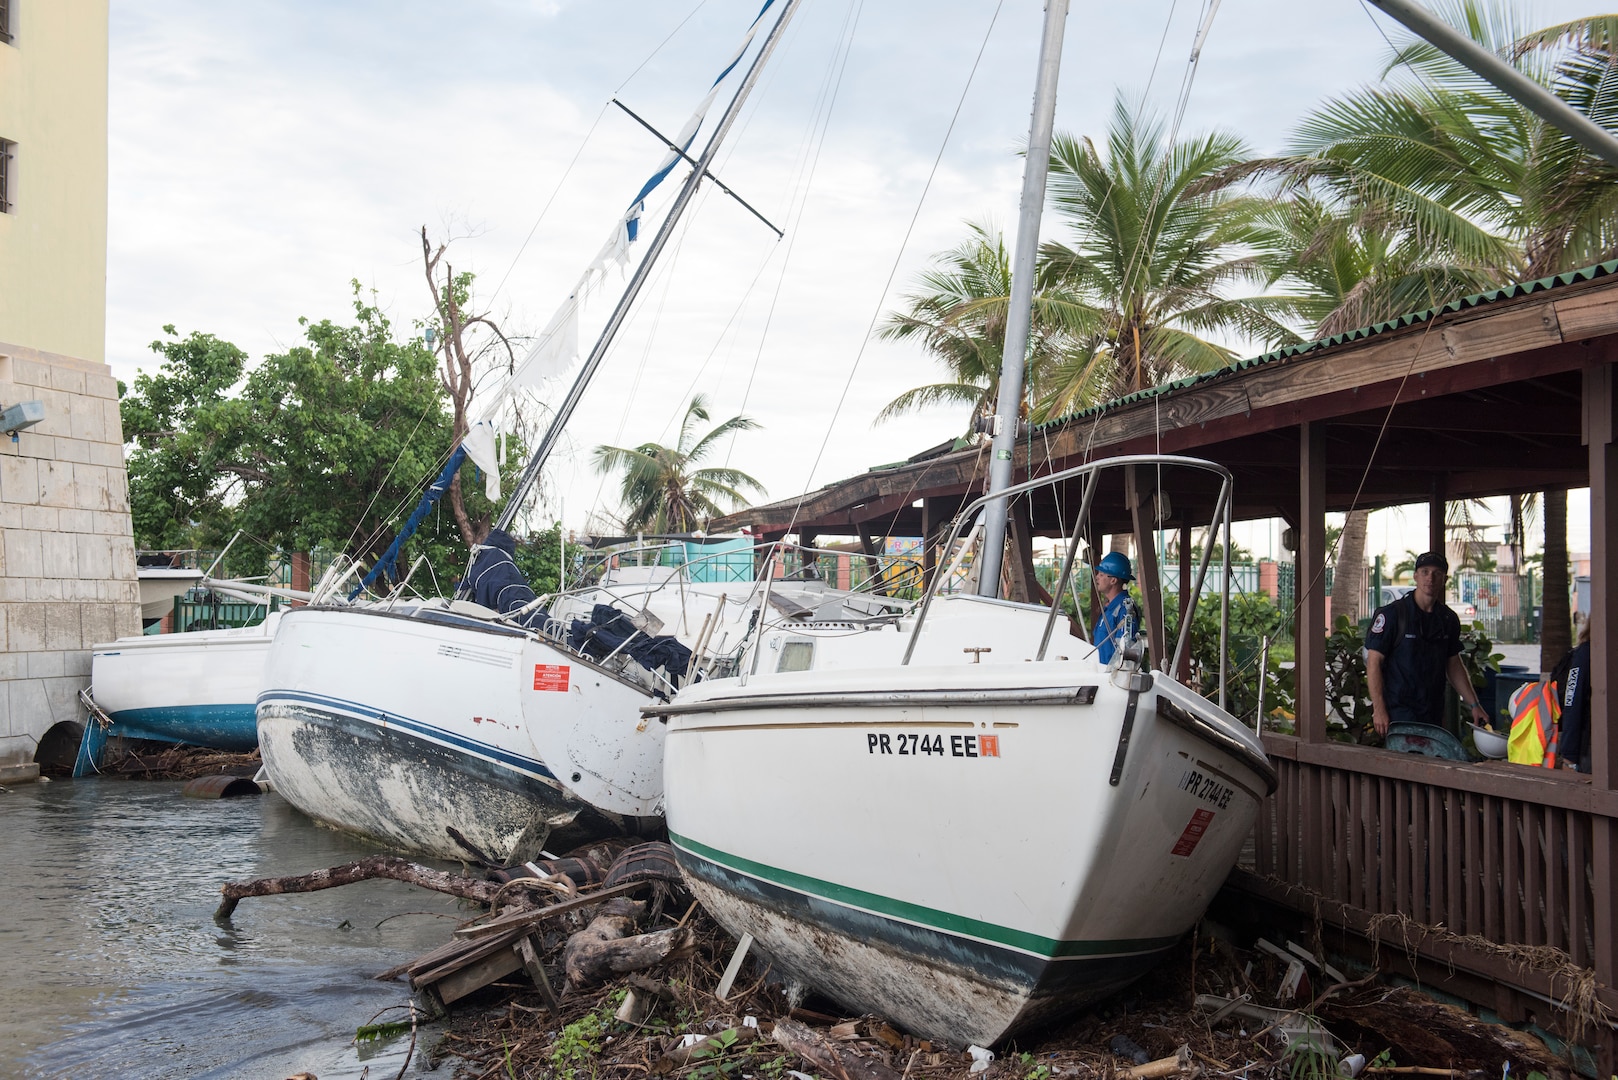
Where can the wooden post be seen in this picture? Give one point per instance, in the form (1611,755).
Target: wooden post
(1022,582)
(1600,428)
(929,556)
(1435,517)
(1188,602)
(1143,512)
(1311,582)
(872,564)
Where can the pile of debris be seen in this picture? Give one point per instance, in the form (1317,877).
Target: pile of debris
(144,759)
(599,965)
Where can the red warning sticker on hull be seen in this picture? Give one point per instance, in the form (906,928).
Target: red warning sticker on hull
(1193,833)
(550,676)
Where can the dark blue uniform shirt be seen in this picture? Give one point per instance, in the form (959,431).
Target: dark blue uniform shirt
(1416,646)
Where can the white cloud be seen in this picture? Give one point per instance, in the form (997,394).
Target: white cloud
(264,155)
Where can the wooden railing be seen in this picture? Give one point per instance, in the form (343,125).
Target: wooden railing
(1493,851)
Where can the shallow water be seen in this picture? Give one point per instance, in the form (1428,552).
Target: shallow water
(111,963)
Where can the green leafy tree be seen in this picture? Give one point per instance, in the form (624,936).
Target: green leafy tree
(1160,238)
(539,557)
(1464,166)
(176,496)
(325,444)
(664,488)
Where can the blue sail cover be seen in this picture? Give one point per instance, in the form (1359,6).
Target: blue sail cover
(434,492)
(498,583)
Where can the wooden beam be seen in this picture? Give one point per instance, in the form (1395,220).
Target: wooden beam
(1601,430)
(1311,583)
(1139,487)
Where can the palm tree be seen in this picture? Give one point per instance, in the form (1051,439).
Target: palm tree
(1347,265)
(1159,239)
(1468,169)
(960,318)
(663,490)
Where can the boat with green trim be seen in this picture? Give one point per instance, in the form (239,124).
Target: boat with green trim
(958,818)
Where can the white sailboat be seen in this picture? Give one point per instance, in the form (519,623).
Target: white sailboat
(405,722)
(198,688)
(959,819)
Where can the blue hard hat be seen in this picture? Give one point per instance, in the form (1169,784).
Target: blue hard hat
(1117,565)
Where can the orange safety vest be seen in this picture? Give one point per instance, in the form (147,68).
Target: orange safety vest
(1535,710)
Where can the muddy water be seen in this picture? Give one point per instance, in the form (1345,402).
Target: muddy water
(111,963)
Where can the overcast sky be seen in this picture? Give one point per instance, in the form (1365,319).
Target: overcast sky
(263,155)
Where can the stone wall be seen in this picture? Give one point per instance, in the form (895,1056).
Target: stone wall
(67,549)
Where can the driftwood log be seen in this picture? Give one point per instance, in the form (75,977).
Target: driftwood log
(608,946)
(827,1058)
(374,866)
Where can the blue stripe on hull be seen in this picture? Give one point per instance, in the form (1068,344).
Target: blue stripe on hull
(370,715)
(222,727)
(349,772)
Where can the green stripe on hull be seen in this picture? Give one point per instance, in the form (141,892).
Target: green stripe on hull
(1033,944)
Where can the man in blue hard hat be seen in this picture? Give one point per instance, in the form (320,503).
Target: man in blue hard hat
(1117,619)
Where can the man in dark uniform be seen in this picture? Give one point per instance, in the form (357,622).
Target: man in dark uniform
(1413,645)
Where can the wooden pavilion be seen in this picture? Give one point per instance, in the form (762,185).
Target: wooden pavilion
(1466,873)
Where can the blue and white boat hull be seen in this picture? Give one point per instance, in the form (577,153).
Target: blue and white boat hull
(198,688)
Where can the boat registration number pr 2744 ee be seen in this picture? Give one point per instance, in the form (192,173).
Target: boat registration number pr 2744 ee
(900,744)
(1206,788)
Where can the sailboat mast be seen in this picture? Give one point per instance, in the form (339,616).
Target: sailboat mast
(1019,312)
(1528,93)
(564,411)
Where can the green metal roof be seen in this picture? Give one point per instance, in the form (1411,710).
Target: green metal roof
(1505,292)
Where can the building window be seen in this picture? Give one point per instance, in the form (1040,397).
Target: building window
(8,173)
(5,20)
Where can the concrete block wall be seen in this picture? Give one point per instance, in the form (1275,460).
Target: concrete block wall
(67,548)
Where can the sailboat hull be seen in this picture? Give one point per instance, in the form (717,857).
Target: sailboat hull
(196,688)
(369,775)
(401,727)
(1009,880)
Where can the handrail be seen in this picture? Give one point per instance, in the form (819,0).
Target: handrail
(1090,468)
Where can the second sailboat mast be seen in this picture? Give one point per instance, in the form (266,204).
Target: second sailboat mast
(1019,312)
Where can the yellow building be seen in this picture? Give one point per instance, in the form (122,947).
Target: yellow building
(67,567)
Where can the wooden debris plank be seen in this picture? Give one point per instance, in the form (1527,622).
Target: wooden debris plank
(536,971)
(516,919)
(497,965)
(469,953)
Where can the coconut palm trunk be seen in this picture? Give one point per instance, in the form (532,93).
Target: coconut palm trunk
(1348,579)
(1556,625)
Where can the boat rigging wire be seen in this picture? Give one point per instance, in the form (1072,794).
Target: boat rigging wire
(586,142)
(893,269)
(803,183)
